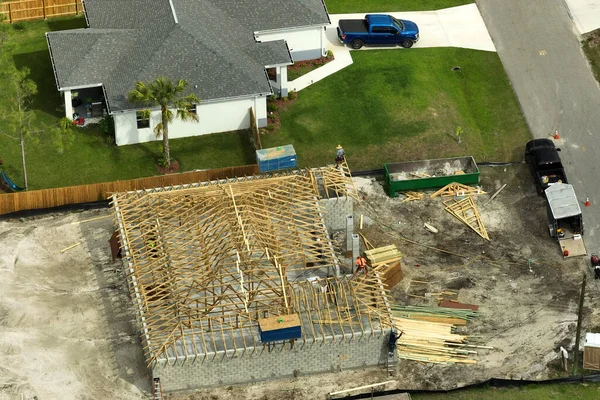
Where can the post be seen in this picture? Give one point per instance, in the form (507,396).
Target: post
(349,232)
(9,13)
(44,8)
(68,104)
(579,318)
(76,7)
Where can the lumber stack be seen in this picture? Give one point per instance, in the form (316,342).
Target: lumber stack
(434,314)
(381,256)
(392,275)
(429,335)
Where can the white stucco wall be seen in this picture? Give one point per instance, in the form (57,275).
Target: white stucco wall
(214,117)
(304,43)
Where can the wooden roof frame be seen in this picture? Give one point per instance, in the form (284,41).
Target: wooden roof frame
(212,257)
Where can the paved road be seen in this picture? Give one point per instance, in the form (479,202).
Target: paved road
(539,48)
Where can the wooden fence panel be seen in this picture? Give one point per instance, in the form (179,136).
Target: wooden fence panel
(27,10)
(48,198)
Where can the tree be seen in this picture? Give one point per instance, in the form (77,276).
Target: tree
(19,117)
(165,94)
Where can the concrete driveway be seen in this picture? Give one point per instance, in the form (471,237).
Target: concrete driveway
(460,26)
(584,13)
(541,53)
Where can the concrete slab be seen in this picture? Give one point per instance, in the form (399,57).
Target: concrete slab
(460,26)
(585,14)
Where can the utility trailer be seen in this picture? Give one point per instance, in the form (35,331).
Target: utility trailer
(565,219)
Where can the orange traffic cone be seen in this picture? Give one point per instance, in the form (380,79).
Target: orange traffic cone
(556,137)
(587,202)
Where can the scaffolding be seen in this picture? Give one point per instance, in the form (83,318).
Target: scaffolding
(205,261)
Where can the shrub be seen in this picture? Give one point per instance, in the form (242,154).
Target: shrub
(19,26)
(270,128)
(272,117)
(329,54)
(291,95)
(271,107)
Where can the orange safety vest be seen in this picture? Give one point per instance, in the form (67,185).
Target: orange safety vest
(361,262)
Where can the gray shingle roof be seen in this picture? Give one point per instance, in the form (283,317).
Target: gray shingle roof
(212,45)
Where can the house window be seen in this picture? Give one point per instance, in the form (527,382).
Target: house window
(193,109)
(143,119)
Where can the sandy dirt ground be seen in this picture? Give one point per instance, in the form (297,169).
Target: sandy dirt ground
(67,328)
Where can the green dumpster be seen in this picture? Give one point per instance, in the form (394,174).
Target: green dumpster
(430,174)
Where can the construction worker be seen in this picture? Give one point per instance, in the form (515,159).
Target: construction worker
(340,155)
(361,265)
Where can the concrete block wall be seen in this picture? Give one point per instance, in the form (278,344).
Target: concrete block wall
(337,210)
(275,361)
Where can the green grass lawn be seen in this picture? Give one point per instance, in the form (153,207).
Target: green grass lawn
(591,48)
(360,6)
(92,158)
(396,105)
(531,392)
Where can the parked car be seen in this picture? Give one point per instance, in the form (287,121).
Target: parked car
(377,29)
(545,164)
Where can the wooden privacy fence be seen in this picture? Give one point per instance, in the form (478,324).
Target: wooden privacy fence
(48,198)
(27,10)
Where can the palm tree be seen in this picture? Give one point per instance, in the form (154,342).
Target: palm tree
(165,93)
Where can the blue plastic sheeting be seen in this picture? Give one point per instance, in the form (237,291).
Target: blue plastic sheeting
(276,158)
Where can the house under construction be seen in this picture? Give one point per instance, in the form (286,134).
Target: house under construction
(237,280)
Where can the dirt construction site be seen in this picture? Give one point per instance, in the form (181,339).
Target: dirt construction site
(68,326)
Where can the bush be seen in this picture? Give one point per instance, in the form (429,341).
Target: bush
(19,26)
(329,54)
(270,128)
(271,107)
(272,117)
(107,127)
(291,95)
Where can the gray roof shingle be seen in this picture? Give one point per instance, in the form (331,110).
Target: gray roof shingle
(211,46)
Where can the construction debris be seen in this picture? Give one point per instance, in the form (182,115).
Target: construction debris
(70,247)
(457,190)
(412,196)
(430,228)
(465,211)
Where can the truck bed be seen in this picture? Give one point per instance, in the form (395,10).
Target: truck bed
(353,26)
(553,175)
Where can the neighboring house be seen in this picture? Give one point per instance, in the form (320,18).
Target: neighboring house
(221,47)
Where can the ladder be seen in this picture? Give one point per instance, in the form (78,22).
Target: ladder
(156,389)
(390,364)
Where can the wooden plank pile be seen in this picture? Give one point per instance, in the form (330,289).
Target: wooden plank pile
(428,335)
(383,256)
(435,314)
(412,196)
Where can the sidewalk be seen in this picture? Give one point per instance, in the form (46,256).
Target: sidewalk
(585,14)
(460,26)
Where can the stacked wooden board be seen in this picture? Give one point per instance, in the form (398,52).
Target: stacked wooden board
(434,339)
(381,256)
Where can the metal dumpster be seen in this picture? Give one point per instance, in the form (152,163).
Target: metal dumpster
(430,174)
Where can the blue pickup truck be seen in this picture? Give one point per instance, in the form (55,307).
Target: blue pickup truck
(377,29)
